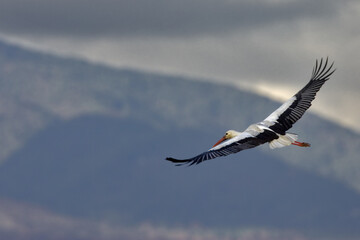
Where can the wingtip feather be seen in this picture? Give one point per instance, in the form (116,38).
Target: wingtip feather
(321,69)
(177,161)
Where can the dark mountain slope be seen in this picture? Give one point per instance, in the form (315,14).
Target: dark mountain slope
(90,141)
(38,88)
(101,167)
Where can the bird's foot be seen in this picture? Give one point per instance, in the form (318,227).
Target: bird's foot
(301,144)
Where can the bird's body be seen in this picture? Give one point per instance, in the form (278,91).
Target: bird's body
(273,129)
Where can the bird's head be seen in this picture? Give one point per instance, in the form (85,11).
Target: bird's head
(228,135)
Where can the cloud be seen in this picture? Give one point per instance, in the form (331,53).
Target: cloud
(269,45)
(153,18)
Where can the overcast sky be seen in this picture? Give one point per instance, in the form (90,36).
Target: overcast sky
(267,45)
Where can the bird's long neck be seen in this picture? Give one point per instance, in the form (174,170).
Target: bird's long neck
(233,133)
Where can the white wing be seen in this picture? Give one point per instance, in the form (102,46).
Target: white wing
(241,142)
(292,110)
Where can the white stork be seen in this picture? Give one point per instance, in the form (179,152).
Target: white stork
(273,129)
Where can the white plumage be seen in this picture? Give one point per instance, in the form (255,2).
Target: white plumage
(272,129)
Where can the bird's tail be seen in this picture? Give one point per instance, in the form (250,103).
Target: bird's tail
(283,140)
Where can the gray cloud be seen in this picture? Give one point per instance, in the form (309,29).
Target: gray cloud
(153,18)
(271,44)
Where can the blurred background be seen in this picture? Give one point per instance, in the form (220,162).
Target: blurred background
(95,94)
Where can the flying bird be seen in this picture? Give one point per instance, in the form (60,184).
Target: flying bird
(272,129)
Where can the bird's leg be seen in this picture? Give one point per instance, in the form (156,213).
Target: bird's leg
(301,144)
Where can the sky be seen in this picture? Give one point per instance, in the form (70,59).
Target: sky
(267,46)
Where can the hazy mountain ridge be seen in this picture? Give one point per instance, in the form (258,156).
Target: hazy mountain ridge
(71,129)
(86,168)
(38,88)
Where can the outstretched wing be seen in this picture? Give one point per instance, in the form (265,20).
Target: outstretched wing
(292,110)
(241,142)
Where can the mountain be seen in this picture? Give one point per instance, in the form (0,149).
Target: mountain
(20,221)
(89,141)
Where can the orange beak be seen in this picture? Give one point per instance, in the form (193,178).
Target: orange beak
(220,141)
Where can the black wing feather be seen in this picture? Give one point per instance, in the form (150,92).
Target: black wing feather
(242,144)
(211,154)
(304,97)
(235,147)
